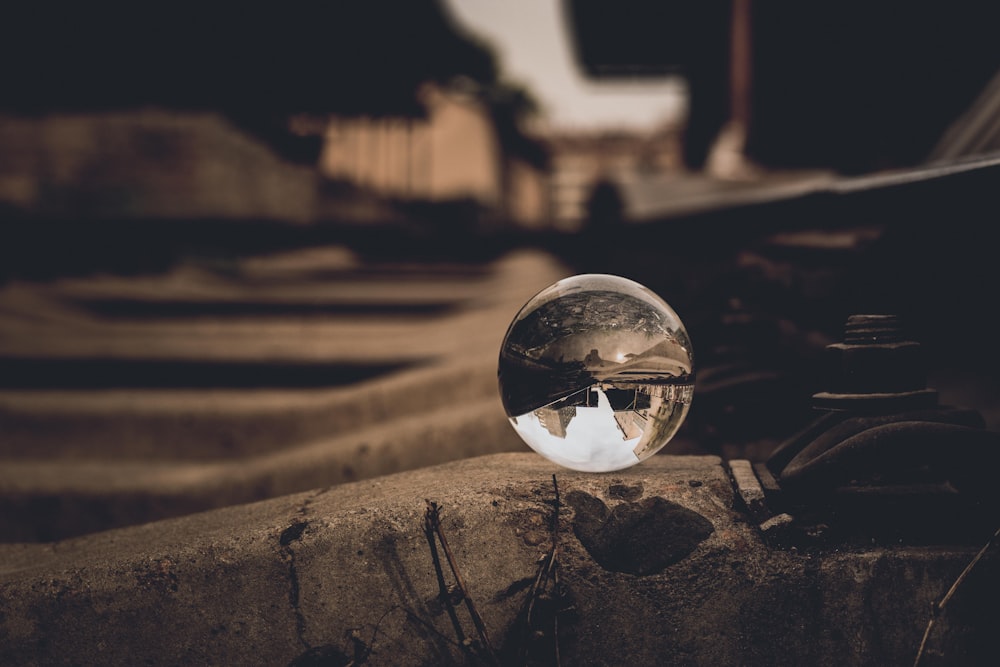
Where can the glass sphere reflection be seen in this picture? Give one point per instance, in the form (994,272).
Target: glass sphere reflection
(596,372)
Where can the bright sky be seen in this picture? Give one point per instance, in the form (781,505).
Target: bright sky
(533,49)
(593,442)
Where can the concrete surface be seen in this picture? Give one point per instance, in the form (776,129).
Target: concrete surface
(656,565)
(292,414)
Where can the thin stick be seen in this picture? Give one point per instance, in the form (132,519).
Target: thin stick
(552,564)
(434,521)
(430,519)
(938,607)
(546,571)
(557,505)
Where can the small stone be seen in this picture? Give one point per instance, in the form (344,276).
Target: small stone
(777,523)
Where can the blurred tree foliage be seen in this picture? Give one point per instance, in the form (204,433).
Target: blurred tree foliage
(333,57)
(259,64)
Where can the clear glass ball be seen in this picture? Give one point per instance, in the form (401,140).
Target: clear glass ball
(596,372)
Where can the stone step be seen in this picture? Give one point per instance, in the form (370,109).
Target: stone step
(111,419)
(46,500)
(212,424)
(654,566)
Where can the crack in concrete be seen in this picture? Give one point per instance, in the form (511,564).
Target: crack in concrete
(289,535)
(304,509)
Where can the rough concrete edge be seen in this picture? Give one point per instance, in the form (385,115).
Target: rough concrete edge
(301,575)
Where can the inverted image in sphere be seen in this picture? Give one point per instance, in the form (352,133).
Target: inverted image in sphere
(596,372)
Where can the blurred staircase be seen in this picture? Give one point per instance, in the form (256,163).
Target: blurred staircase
(129,399)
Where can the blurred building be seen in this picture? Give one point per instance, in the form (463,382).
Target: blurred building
(455,151)
(580,160)
(556,421)
(121,121)
(156,163)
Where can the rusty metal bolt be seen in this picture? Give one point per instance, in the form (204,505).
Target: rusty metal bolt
(875,368)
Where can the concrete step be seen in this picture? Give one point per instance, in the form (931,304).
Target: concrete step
(213,423)
(655,565)
(51,499)
(109,419)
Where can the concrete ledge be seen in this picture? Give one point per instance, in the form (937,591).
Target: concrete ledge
(215,424)
(52,499)
(655,565)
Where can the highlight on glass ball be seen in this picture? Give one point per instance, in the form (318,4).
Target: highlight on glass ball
(596,373)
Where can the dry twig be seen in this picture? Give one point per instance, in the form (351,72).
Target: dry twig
(432,528)
(939,606)
(546,585)
(547,573)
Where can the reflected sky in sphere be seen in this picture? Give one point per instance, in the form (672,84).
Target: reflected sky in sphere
(590,432)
